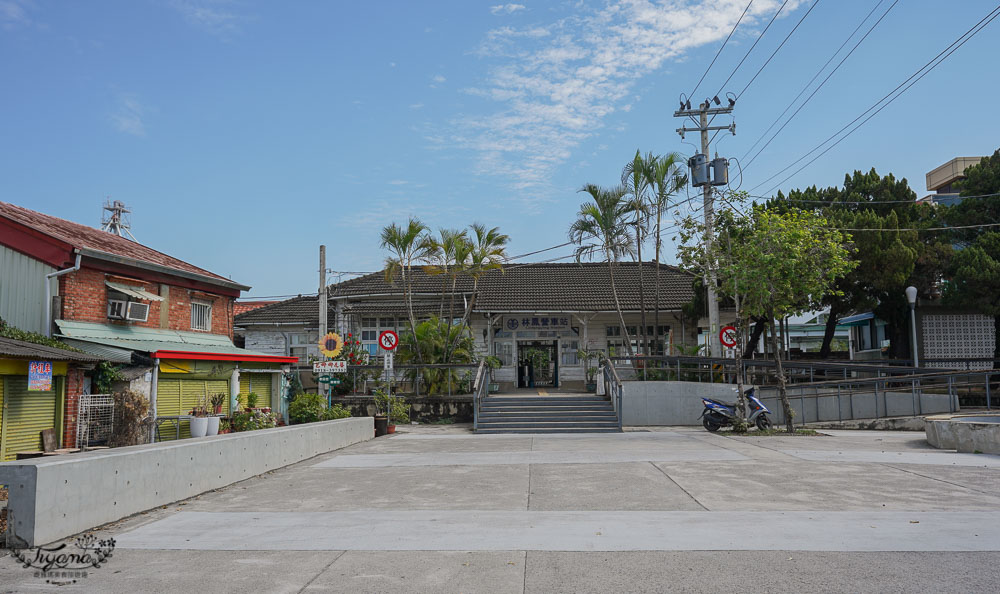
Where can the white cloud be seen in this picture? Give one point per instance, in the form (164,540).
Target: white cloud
(128,118)
(556,82)
(213,16)
(506,8)
(14,13)
(438,78)
(416,105)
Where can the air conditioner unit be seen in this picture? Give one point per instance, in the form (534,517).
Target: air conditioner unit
(116,309)
(137,312)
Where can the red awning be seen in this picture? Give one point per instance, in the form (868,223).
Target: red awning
(223,357)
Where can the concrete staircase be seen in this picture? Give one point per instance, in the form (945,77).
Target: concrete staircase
(568,413)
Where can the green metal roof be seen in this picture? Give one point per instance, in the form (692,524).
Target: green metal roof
(149,340)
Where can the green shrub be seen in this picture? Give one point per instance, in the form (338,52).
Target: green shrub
(337,411)
(252,420)
(306,408)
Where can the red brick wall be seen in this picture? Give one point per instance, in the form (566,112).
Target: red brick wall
(85,299)
(74,387)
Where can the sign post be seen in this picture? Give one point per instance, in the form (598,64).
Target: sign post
(389,340)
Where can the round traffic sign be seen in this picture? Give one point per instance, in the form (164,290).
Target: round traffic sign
(727,336)
(388,340)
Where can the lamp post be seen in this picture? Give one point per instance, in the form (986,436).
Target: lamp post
(911,296)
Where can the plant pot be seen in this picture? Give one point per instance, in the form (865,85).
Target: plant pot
(381,426)
(218,410)
(591,386)
(213,425)
(494,387)
(391,429)
(199,426)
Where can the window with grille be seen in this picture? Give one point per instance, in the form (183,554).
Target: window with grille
(201,316)
(569,352)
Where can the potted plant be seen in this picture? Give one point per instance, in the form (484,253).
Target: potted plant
(399,413)
(381,402)
(589,369)
(199,419)
(493,363)
(252,399)
(217,401)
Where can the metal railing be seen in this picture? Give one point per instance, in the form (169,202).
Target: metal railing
(613,388)
(480,388)
(409,376)
(887,396)
(757,371)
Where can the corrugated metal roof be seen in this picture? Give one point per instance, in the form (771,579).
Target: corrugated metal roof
(20,349)
(104,352)
(149,340)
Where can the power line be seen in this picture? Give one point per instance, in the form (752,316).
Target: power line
(778,48)
(979,226)
(863,202)
(759,37)
(967,35)
(816,90)
(949,50)
(720,49)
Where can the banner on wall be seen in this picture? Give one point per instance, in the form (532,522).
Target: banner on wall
(40,376)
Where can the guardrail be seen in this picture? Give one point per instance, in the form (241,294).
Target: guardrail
(758,371)
(409,376)
(613,387)
(889,396)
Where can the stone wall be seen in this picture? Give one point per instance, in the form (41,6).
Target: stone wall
(423,409)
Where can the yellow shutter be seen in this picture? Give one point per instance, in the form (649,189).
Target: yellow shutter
(1,417)
(168,402)
(259,383)
(27,415)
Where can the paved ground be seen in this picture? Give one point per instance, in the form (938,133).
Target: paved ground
(436,509)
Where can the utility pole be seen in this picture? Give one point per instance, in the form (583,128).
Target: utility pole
(700,177)
(322,292)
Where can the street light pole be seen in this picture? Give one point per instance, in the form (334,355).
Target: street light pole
(911,296)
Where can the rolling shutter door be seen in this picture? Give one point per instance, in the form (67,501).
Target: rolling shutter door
(259,383)
(179,396)
(168,402)
(1,415)
(27,415)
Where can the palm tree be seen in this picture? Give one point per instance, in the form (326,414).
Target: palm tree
(667,179)
(604,219)
(449,252)
(408,245)
(487,251)
(636,179)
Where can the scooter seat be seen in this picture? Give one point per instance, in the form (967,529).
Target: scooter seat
(729,404)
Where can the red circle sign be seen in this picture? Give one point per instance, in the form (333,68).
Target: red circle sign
(388,340)
(727,336)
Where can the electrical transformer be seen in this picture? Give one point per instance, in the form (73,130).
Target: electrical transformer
(699,170)
(720,171)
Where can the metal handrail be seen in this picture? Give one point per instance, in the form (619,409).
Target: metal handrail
(613,387)
(480,387)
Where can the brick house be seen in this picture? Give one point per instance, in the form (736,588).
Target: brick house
(167,323)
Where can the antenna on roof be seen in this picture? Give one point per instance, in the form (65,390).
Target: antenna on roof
(114,219)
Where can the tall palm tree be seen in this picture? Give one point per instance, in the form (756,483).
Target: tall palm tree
(666,179)
(604,220)
(408,245)
(447,258)
(636,179)
(487,251)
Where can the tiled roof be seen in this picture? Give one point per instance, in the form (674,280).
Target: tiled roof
(241,307)
(545,287)
(20,349)
(302,309)
(82,236)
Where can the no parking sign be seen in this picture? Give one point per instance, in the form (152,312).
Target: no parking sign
(727,336)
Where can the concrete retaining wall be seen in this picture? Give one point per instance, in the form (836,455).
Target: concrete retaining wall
(669,403)
(423,409)
(56,497)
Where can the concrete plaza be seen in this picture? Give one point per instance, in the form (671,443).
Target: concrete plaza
(437,509)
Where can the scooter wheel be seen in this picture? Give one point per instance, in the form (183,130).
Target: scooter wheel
(711,425)
(763,423)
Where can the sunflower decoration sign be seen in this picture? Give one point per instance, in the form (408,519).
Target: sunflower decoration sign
(331,344)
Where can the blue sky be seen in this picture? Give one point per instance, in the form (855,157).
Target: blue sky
(244,134)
